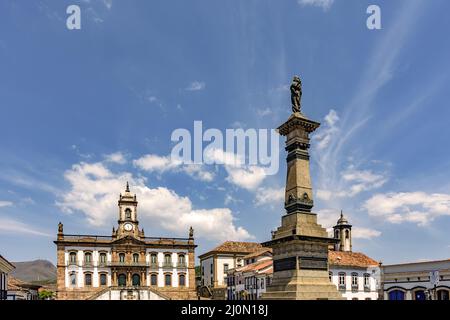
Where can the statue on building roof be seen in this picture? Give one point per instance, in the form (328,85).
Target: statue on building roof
(191,232)
(60,227)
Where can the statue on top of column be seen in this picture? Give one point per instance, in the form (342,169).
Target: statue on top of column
(296,94)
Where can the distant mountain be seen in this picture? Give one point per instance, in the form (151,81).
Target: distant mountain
(37,271)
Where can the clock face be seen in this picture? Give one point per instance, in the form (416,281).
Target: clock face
(128,227)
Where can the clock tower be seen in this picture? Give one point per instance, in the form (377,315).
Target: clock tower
(128,223)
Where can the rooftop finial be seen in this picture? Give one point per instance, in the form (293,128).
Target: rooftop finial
(128,188)
(342,214)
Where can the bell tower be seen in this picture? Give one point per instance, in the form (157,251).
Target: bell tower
(128,223)
(343,232)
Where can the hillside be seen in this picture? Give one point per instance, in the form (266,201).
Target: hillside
(41,271)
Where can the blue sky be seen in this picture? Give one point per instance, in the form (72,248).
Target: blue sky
(86,110)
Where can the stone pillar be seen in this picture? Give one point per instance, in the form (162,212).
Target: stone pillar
(60,271)
(300,244)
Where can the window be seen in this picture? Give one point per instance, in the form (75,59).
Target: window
(181,260)
(88,258)
(167,279)
(73,279)
(88,279)
(443,294)
(103,279)
(154,280)
(354,281)
(72,258)
(342,280)
(396,295)
(262,283)
(136,280)
(136,257)
(211,268)
(330,275)
(347,234)
(102,258)
(122,280)
(167,259)
(121,257)
(366,281)
(336,234)
(153,258)
(127,214)
(182,280)
(225,267)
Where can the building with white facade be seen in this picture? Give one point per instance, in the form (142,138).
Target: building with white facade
(5,268)
(427,280)
(125,265)
(356,275)
(250,281)
(215,264)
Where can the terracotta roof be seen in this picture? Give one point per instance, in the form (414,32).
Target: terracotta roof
(350,259)
(235,247)
(258,253)
(15,284)
(257,266)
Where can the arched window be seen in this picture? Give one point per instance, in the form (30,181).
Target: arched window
(136,279)
(396,295)
(181,260)
(153,280)
(366,281)
(121,257)
(88,279)
(73,279)
(168,280)
(342,280)
(419,295)
(154,258)
(73,258)
(347,234)
(336,234)
(88,258)
(122,280)
(103,279)
(354,281)
(135,257)
(102,259)
(167,260)
(182,280)
(127,213)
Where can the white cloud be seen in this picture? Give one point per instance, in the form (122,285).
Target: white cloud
(325,4)
(324,136)
(5,204)
(196,86)
(353,182)
(264,112)
(8,225)
(116,157)
(364,233)
(416,207)
(271,196)
(161,164)
(94,192)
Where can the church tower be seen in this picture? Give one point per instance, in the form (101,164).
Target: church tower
(343,232)
(128,223)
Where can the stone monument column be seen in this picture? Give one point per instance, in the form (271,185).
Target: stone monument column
(300,244)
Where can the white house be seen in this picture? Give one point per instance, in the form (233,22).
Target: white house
(5,268)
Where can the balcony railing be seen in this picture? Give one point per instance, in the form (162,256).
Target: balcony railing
(153,265)
(88,264)
(367,288)
(167,265)
(128,263)
(72,263)
(181,265)
(354,287)
(342,287)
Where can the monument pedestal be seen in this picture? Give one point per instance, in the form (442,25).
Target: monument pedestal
(300,244)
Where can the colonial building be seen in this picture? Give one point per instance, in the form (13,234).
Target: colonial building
(250,281)
(20,290)
(5,268)
(428,280)
(215,264)
(127,264)
(356,275)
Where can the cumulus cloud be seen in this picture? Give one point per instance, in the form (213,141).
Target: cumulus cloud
(365,233)
(94,191)
(269,196)
(116,157)
(196,86)
(8,225)
(353,182)
(325,4)
(416,207)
